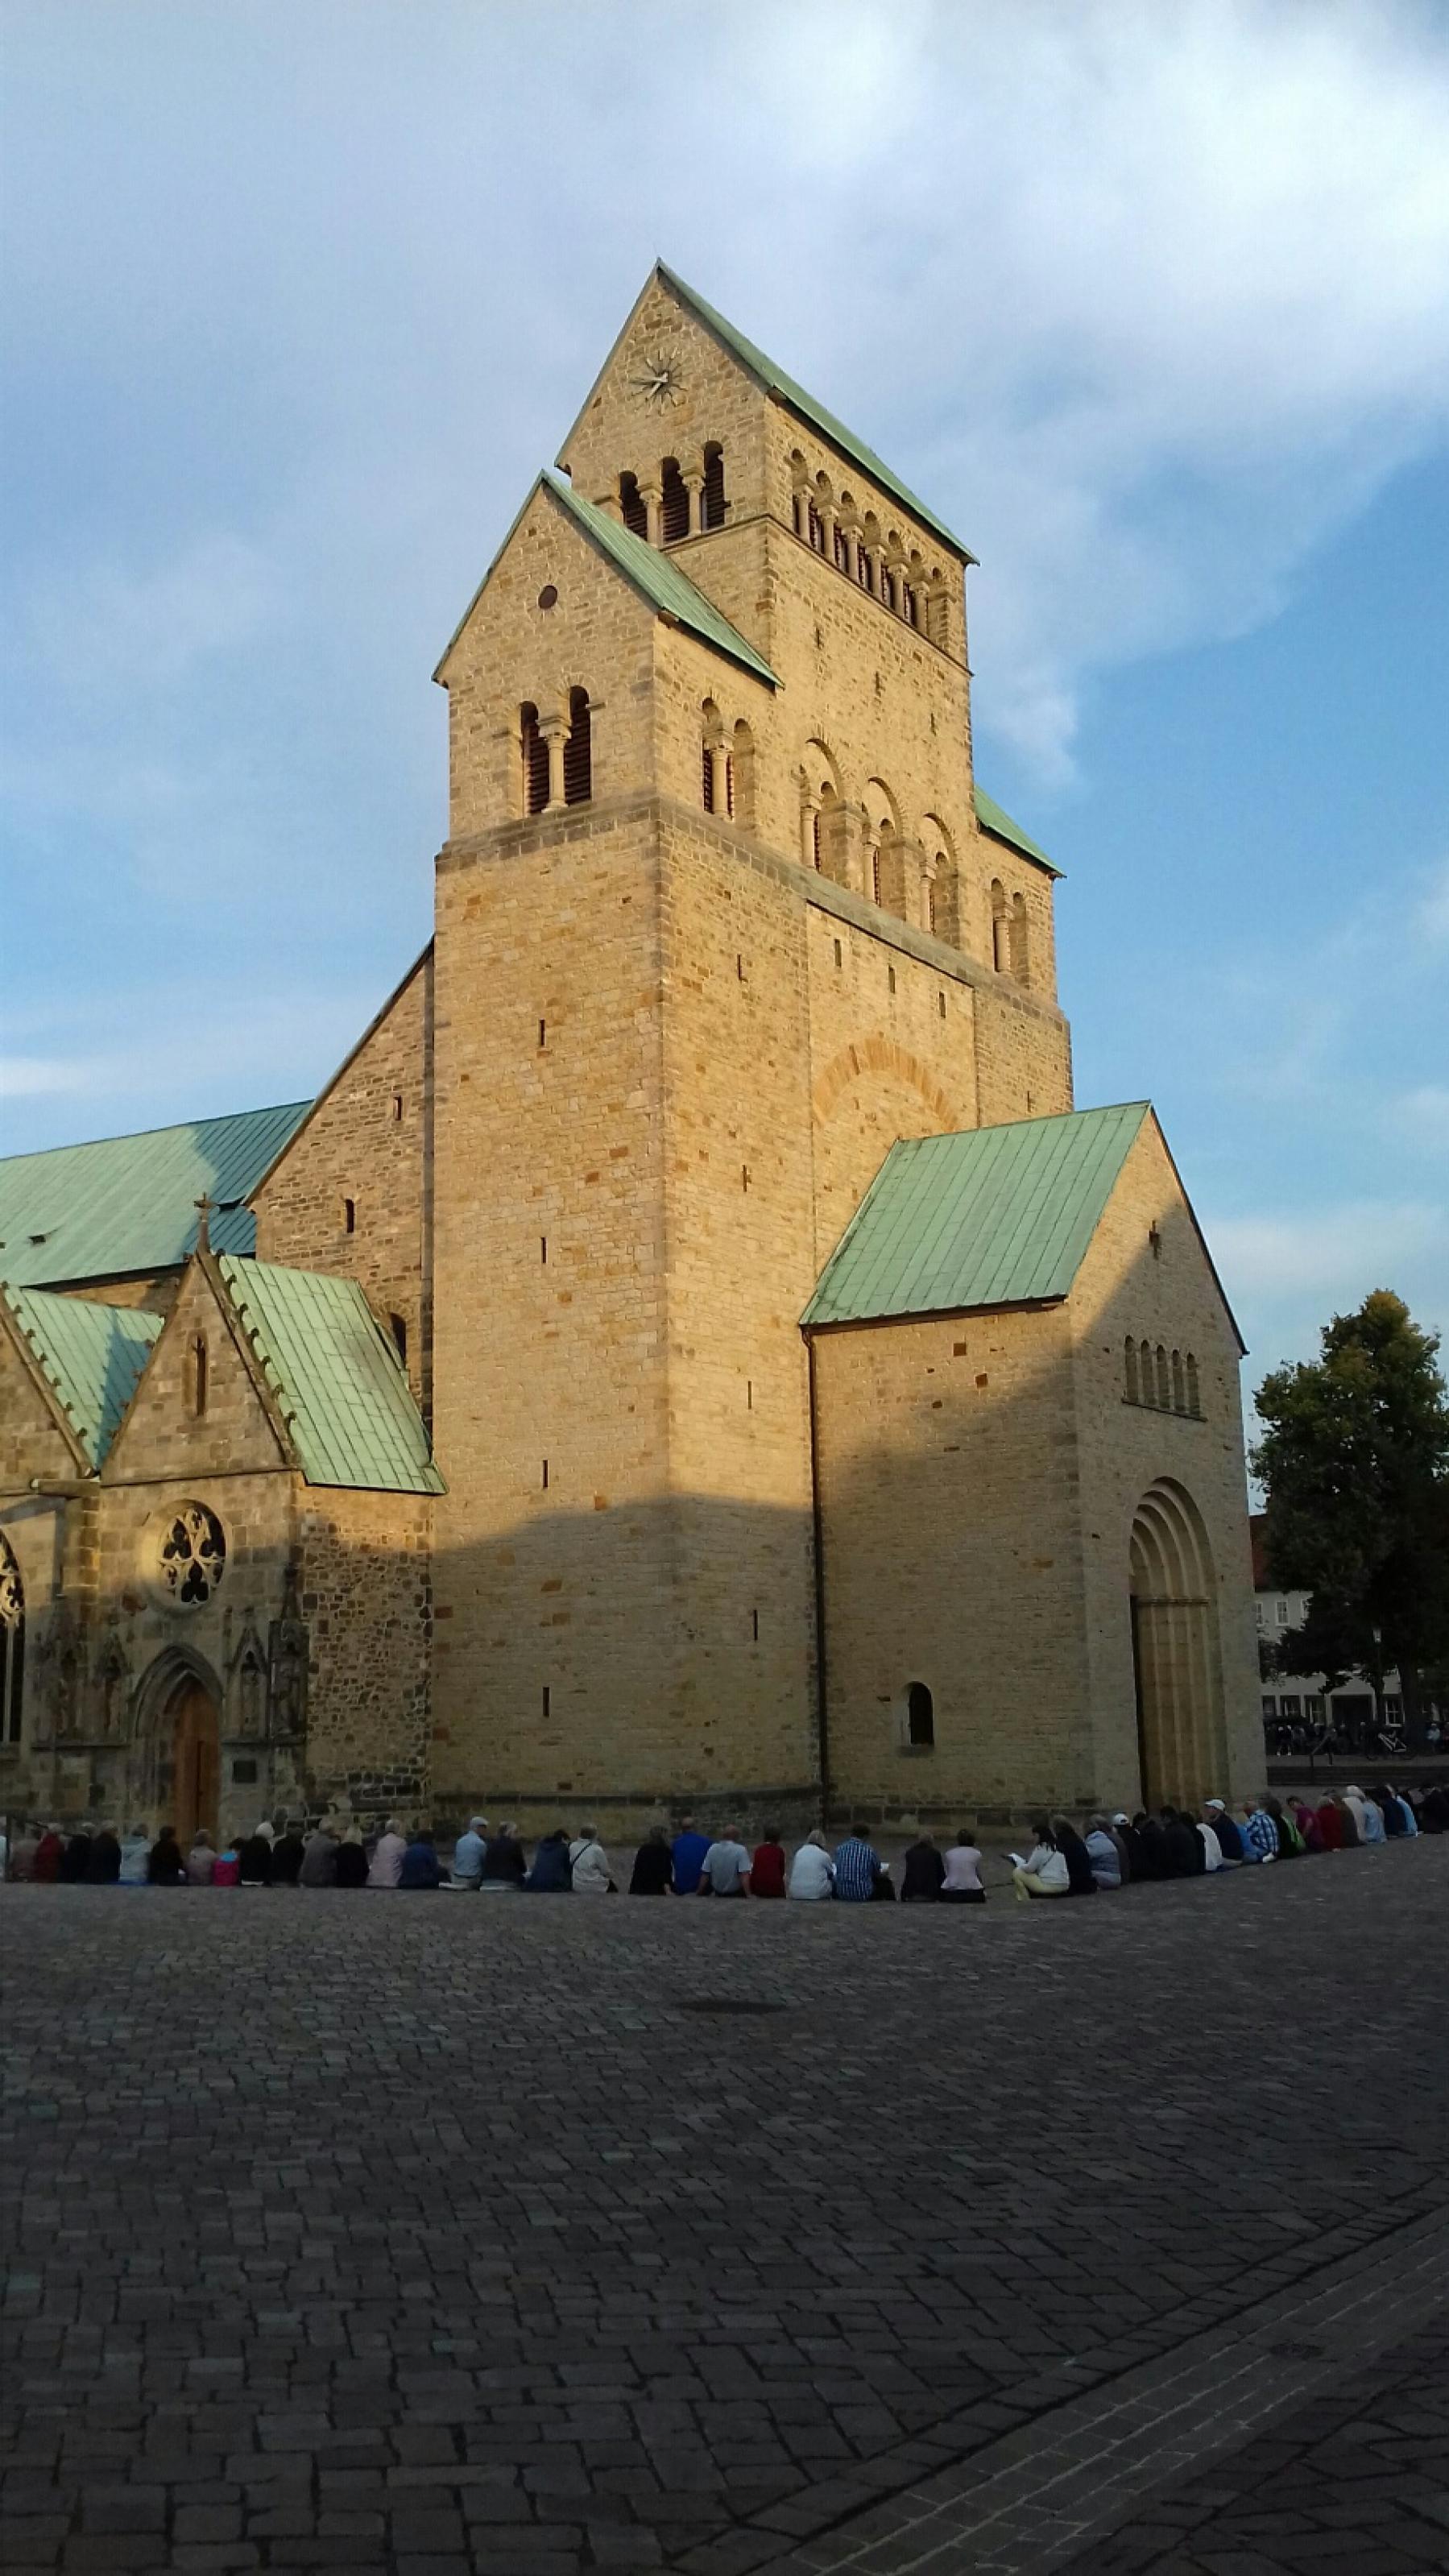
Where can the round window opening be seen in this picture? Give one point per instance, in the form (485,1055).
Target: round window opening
(193,1555)
(547,596)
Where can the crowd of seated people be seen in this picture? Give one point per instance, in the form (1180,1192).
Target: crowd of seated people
(1113,1851)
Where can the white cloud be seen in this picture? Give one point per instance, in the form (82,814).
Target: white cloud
(1328,1254)
(36,1077)
(1426,1110)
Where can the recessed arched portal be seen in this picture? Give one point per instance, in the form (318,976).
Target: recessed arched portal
(178,1744)
(1177,1665)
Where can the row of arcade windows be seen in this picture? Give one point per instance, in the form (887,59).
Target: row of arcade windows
(679,504)
(874,559)
(727,767)
(1166,1380)
(558,766)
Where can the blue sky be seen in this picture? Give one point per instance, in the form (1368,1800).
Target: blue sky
(1152,304)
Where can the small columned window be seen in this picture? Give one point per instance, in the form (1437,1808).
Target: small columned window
(713,498)
(1164,1381)
(12,1646)
(578,758)
(674,503)
(534,750)
(631,505)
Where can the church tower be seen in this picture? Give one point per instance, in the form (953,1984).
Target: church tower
(721,916)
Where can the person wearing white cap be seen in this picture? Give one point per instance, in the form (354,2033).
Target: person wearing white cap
(1229,1835)
(1120,1829)
(468,1854)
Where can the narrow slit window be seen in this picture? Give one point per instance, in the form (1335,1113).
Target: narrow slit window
(545,1475)
(547,1699)
(543,1033)
(397,1326)
(755,1626)
(200,1373)
(397,1107)
(543,1247)
(349,1216)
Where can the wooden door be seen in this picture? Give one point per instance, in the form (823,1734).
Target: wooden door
(196,1770)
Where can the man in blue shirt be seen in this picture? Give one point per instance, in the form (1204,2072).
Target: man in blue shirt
(690,1847)
(1260,1834)
(468,1853)
(857,1866)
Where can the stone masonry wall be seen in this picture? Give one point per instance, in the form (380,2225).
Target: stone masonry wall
(366,1598)
(368,1140)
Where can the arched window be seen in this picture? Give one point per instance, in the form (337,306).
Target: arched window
(674,504)
(200,1371)
(920,1715)
(1164,1381)
(631,502)
(742,777)
(814,527)
(12,1646)
(578,759)
(1000,929)
(349,1216)
(909,609)
(534,753)
(1179,1384)
(1020,948)
(713,499)
(1194,1399)
(1134,1391)
(887,584)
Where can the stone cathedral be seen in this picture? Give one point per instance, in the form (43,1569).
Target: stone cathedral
(693,1353)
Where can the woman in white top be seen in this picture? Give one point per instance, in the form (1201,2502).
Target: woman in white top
(962,1882)
(589,1863)
(812,1871)
(1044,1871)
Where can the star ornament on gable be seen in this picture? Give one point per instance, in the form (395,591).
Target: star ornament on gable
(660,380)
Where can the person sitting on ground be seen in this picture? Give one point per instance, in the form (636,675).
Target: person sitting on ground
(1306,1820)
(812,1871)
(961,1884)
(201,1861)
(287,1855)
(104,1866)
(319,1860)
(505,1862)
(1185,1856)
(1152,1845)
(1260,1834)
(857,1866)
(1408,1817)
(1102,1853)
(653,1865)
(1352,1797)
(352,1859)
(923,1874)
(1347,1826)
(468,1853)
(1044,1871)
(552,1873)
(1388,1807)
(767,1865)
(690,1846)
(1374,1828)
(420,1864)
(387,1855)
(1230,1840)
(1124,1835)
(1212,1850)
(589,1864)
(49,1853)
(21,1864)
(256,1856)
(1433,1809)
(71,1868)
(135,1857)
(1076,1855)
(726,1870)
(1290,1841)
(227,1872)
(1329,1819)
(164,1865)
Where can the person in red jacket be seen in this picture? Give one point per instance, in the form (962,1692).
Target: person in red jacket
(46,1865)
(1330,1824)
(767,1869)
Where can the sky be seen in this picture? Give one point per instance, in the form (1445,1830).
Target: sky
(1152,304)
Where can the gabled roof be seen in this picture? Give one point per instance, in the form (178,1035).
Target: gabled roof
(127,1204)
(336,1378)
(90,1357)
(655,576)
(996,1216)
(805,406)
(994,818)
(660,580)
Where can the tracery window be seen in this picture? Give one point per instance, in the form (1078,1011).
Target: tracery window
(192,1556)
(12,1646)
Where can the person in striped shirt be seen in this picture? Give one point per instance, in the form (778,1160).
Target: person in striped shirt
(857,1865)
(1260,1834)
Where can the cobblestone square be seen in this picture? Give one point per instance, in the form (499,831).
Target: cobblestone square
(455,2233)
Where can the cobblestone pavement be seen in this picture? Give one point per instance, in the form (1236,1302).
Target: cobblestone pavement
(445,2233)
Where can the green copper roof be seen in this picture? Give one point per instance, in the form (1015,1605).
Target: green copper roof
(90,1356)
(809,409)
(128,1203)
(997,1216)
(994,818)
(336,1377)
(659,577)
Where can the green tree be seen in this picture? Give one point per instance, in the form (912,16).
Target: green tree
(1354,1460)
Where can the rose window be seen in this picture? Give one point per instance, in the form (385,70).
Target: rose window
(193,1555)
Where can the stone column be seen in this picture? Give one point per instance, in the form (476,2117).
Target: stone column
(652,496)
(852,552)
(843,850)
(693,482)
(554,730)
(827,520)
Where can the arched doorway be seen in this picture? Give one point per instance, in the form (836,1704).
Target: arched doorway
(195,1762)
(1177,1667)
